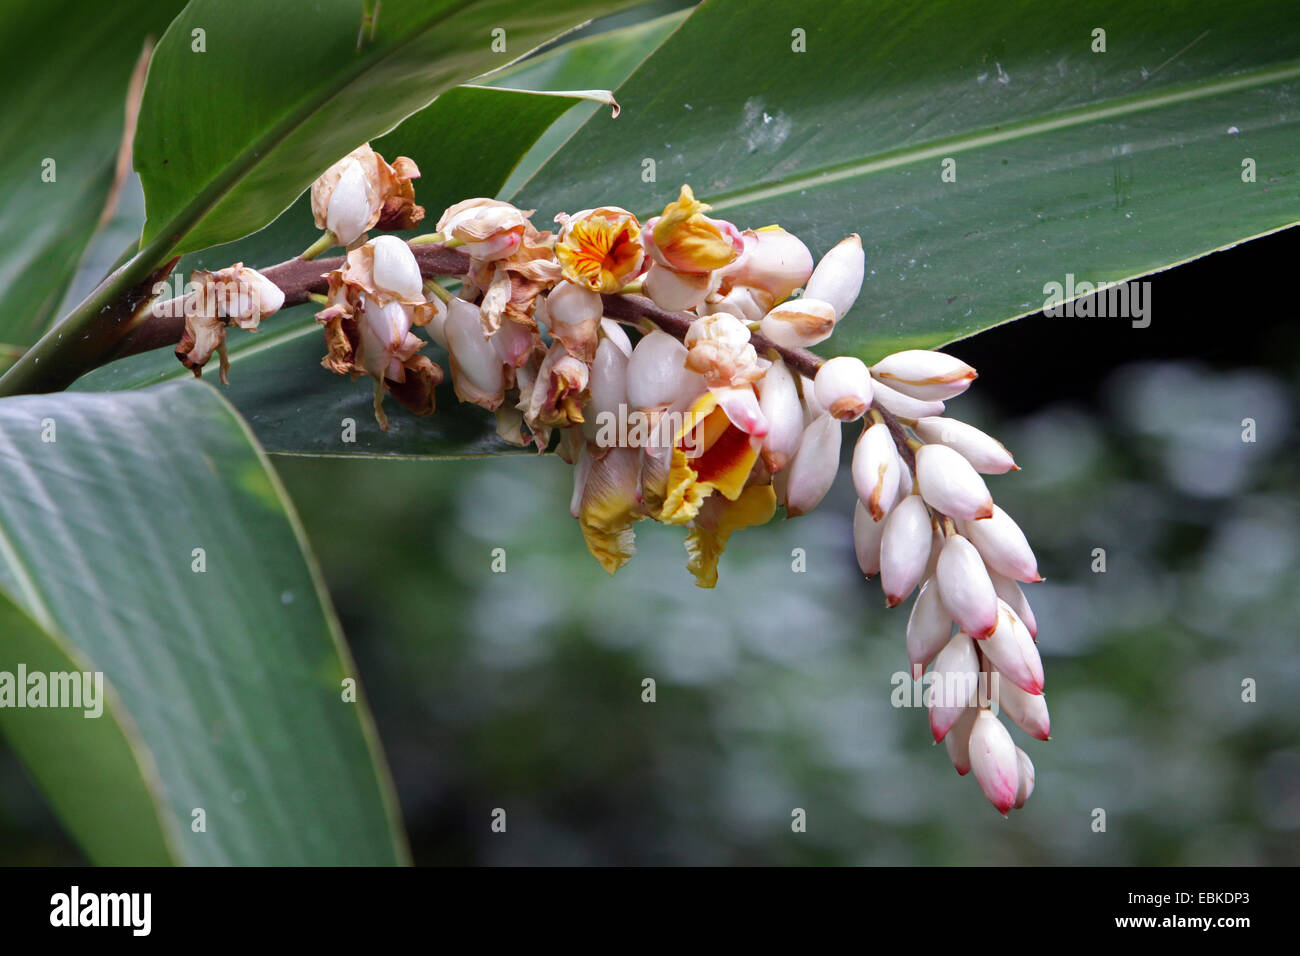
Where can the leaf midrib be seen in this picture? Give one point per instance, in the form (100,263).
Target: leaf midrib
(1002,133)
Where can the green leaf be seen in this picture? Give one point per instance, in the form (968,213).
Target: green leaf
(230,136)
(228,663)
(65,98)
(118,819)
(1104,165)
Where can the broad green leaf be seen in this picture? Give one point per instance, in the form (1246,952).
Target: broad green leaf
(230,136)
(247,102)
(94,769)
(148,528)
(67,67)
(1068,161)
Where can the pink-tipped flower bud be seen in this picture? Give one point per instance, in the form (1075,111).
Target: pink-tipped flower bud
(957,742)
(904,549)
(843,387)
(929,627)
(1009,591)
(954,684)
(985,453)
(1027,711)
(950,485)
(838,277)
(1004,546)
(993,758)
(929,376)
(812,472)
(779,401)
(966,589)
(799,323)
(875,470)
(1013,652)
(1026,788)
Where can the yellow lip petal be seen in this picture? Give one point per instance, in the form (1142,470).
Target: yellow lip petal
(709,454)
(708,536)
(610,507)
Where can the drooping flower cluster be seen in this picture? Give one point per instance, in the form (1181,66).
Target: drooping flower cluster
(712,418)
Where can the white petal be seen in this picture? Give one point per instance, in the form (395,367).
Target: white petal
(985,453)
(929,627)
(875,470)
(395,270)
(568,304)
(838,277)
(607,386)
(965,587)
(1004,546)
(904,549)
(993,758)
(949,484)
(779,401)
(866,541)
(348,212)
(657,375)
(954,684)
(676,291)
(812,472)
(843,387)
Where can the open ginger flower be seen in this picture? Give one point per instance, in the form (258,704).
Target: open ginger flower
(686,240)
(236,295)
(600,248)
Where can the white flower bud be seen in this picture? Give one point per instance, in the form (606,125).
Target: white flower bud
(843,387)
(613,331)
(1012,651)
(985,453)
(965,588)
(348,212)
(676,291)
(742,302)
(954,684)
(929,376)
(838,277)
(813,409)
(437,320)
(657,376)
(866,542)
(773,261)
(904,406)
(993,758)
(875,470)
(1004,546)
(382,330)
(812,471)
(1009,591)
(798,323)
(1028,711)
(513,343)
(395,270)
(950,485)
(1026,788)
(779,401)
(607,386)
(478,374)
(571,305)
(270,295)
(904,549)
(929,627)
(957,742)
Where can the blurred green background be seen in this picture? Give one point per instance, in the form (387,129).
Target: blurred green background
(522,690)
